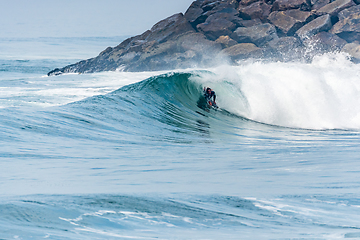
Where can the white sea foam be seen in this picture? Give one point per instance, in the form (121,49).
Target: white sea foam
(67,88)
(324,94)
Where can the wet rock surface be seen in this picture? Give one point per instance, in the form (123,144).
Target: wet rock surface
(317,25)
(348,27)
(335,7)
(288,22)
(231,30)
(243,51)
(258,34)
(353,49)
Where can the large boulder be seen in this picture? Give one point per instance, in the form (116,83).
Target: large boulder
(288,22)
(335,7)
(154,58)
(225,13)
(211,6)
(185,51)
(317,25)
(317,4)
(198,11)
(282,5)
(348,26)
(229,14)
(346,13)
(194,14)
(218,5)
(216,28)
(197,42)
(242,51)
(259,34)
(257,10)
(208,5)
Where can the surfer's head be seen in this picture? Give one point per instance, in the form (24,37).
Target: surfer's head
(208,90)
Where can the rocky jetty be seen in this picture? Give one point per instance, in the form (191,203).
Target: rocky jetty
(213,31)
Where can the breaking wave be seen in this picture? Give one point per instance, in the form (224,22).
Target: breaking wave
(324,94)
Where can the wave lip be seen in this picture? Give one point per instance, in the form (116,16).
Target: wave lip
(323,94)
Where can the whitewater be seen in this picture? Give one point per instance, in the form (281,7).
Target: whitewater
(117,155)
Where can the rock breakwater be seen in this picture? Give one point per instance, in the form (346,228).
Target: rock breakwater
(231,30)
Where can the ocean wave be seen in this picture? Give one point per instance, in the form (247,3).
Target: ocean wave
(150,217)
(324,94)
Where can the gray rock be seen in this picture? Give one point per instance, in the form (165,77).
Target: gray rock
(216,28)
(194,14)
(257,10)
(348,27)
(208,5)
(186,51)
(288,22)
(353,49)
(229,14)
(157,45)
(282,5)
(169,28)
(317,25)
(249,23)
(248,2)
(226,41)
(317,4)
(197,42)
(225,13)
(259,34)
(284,44)
(327,42)
(242,51)
(347,13)
(284,49)
(221,4)
(216,5)
(221,9)
(335,7)
(238,29)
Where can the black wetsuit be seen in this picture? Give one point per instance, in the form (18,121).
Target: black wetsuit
(209,97)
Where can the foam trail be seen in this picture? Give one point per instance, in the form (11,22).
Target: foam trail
(324,94)
(64,89)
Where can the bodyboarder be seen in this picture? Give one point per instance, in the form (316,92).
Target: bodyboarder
(210,96)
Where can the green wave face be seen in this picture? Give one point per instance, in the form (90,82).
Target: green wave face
(164,107)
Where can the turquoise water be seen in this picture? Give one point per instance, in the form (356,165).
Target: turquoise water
(132,156)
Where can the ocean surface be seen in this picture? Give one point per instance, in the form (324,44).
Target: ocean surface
(117,155)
